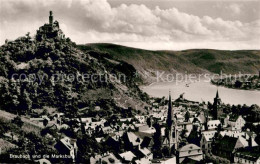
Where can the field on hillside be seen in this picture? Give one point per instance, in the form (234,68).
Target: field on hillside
(28,125)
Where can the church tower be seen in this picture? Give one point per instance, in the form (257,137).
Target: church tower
(50,18)
(217,111)
(169,121)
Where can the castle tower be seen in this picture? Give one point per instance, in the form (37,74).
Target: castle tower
(51,18)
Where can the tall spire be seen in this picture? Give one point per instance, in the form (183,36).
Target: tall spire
(216,105)
(169,121)
(169,116)
(217,96)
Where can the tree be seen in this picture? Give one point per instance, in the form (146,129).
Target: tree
(166,151)
(219,128)
(28,34)
(234,109)
(45,122)
(149,123)
(68,39)
(238,84)
(25,102)
(111,160)
(104,162)
(18,121)
(45,112)
(2,129)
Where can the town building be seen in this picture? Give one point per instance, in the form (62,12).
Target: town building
(104,158)
(191,151)
(131,141)
(67,146)
(206,140)
(127,157)
(213,124)
(236,122)
(227,146)
(247,155)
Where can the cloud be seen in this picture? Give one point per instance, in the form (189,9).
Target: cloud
(86,21)
(235,8)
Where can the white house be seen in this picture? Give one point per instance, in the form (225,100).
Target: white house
(213,124)
(67,146)
(141,119)
(107,130)
(191,151)
(106,157)
(180,118)
(235,122)
(127,156)
(206,140)
(86,120)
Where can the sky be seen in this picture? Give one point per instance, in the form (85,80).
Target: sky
(146,24)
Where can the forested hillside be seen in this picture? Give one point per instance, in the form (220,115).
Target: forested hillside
(54,73)
(186,61)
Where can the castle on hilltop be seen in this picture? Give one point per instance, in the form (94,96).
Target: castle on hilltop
(51,30)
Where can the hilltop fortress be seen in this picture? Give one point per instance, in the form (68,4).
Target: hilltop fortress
(51,30)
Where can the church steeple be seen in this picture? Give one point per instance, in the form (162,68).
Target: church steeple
(216,106)
(169,122)
(169,116)
(217,100)
(217,96)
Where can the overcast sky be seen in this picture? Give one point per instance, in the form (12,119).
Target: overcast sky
(148,24)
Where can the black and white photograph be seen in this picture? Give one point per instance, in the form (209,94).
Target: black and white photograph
(130,81)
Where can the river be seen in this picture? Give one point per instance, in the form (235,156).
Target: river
(203,91)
